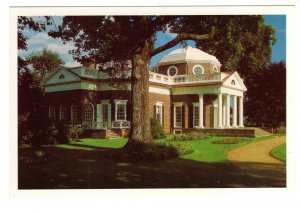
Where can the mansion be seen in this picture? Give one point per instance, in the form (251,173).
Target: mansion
(187,93)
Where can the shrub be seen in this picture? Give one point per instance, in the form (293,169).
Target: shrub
(280,130)
(62,135)
(234,140)
(75,132)
(189,137)
(181,148)
(156,129)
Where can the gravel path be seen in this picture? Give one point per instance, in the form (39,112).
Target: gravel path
(258,152)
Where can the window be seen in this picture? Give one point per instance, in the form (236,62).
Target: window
(120,109)
(159,112)
(198,69)
(215,69)
(196,116)
(61,77)
(51,113)
(178,116)
(232,82)
(89,112)
(62,112)
(172,70)
(74,114)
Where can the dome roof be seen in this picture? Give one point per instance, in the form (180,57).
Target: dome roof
(188,54)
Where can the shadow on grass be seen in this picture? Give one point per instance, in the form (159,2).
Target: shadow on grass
(80,169)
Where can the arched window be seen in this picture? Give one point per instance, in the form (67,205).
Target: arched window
(215,69)
(232,82)
(172,70)
(74,114)
(89,112)
(198,69)
(51,113)
(61,77)
(62,112)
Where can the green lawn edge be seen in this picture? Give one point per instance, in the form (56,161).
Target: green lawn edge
(279,152)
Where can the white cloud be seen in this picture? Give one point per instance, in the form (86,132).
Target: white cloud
(170,34)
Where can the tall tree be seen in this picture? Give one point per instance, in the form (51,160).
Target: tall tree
(44,61)
(266,97)
(117,38)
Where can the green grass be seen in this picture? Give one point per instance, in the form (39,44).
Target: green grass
(280,152)
(204,150)
(103,143)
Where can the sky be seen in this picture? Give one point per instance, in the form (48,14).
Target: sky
(39,40)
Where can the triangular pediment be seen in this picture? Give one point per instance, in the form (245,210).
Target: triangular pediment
(235,81)
(61,75)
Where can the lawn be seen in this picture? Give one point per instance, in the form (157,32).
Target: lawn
(204,150)
(85,165)
(280,152)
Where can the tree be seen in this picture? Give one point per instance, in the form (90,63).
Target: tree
(266,99)
(44,61)
(120,38)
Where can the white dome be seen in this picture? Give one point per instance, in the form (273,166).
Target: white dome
(188,54)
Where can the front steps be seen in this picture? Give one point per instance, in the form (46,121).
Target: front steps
(112,135)
(260,132)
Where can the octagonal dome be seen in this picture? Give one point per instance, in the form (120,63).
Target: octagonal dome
(188,54)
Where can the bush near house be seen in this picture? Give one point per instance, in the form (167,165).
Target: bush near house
(189,137)
(156,129)
(230,140)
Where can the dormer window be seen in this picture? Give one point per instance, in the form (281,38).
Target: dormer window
(172,71)
(198,69)
(215,69)
(232,82)
(61,77)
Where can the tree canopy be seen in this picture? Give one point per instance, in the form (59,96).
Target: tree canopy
(44,61)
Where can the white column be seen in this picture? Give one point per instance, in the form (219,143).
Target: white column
(201,111)
(227,111)
(234,122)
(241,112)
(220,111)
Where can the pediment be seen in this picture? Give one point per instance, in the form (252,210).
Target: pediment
(235,81)
(61,75)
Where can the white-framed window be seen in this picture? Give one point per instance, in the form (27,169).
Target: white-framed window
(178,114)
(172,70)
(62,112)
(74,114)
(215,69)
(51,113)
(198,69)
(120,110)
(196,114)
(89,112)
(159,111)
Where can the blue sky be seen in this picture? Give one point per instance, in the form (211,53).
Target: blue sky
(38,40)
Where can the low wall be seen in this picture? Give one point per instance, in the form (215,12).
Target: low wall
(122,132)
(223,132)
(95,133)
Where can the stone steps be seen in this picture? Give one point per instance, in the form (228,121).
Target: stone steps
(111,134)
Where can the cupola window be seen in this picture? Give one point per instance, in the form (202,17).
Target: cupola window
(215,69)
(172,70)
(198,69)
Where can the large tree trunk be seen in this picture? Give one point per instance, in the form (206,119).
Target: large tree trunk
(140,129)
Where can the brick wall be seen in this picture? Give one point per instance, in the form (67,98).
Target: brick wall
(165,99)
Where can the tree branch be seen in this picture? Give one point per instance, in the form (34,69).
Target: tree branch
(182,37)
(179,38)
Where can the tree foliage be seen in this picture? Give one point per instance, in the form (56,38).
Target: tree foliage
(266,97)
(44,61)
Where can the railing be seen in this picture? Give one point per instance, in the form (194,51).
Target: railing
(94,125)
(178,125)
(160,78)
(120,125)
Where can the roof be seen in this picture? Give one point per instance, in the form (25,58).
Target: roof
(188,54)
